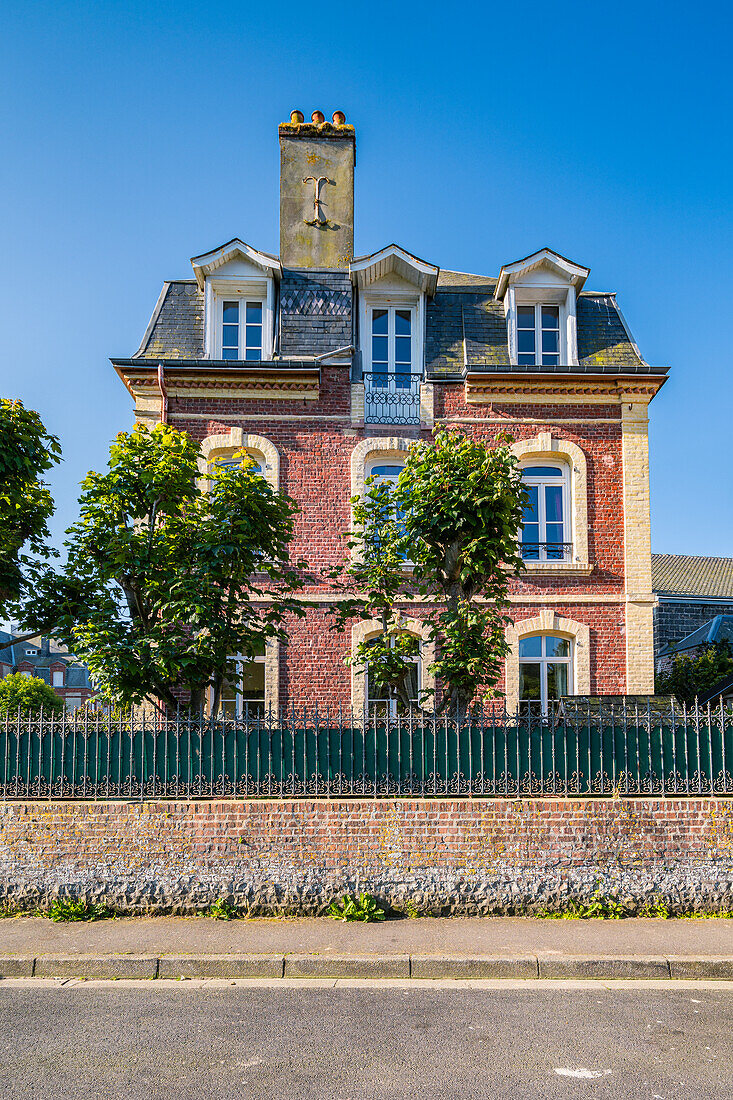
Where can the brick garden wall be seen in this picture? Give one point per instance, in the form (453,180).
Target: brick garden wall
(461,856)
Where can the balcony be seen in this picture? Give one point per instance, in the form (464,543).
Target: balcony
(546,551)
(391,398)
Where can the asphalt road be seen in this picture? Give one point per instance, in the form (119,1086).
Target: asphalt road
(224,1041)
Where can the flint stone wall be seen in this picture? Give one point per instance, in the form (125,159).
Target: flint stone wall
(445,856)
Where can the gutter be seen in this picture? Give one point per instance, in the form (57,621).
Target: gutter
(163,394)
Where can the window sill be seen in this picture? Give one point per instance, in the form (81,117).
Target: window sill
(574,568)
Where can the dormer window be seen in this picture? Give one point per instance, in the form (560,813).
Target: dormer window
(539,294)
(538,335)
(241,329)
(239,293)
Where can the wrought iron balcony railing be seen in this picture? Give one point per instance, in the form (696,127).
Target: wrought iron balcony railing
(547,551)
(391,398)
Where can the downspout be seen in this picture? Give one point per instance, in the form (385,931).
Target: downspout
(163,394)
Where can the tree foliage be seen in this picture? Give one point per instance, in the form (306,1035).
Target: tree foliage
(27,451)
(455,517)
(162,579)
(692,675)
(29,695)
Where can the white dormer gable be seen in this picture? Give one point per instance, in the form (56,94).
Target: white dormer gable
(239,290)
(394,261)
(235,257)
(539,294)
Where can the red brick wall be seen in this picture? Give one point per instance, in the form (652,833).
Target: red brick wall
(315,457)
(485,854)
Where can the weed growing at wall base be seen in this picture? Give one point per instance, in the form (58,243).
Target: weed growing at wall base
(62,910)
(362,908)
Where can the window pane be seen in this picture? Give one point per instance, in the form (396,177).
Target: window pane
(526,360)
(531,512)
(557,647)
(230,336)
(379,349)
(553,503)
(253,354)
(550,316)
(525,317)
(550,360)
(253,680)
(557,681)
(402,322)
(254,313)
(530,647)
(379,322)
(529,681)
(230,313)
(254,336)
(403,349)
(541,471)
(550,342)
(387,473)
(554,532)
(525,341)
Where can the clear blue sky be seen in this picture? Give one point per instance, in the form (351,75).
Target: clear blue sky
(136,135)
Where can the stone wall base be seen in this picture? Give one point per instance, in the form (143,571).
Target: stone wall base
(481,856)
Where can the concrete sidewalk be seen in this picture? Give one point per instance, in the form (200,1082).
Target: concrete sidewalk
(480,947)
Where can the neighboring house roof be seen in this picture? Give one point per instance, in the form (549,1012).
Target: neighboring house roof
(719,629)
(7,650)
(723,688)
(466,329)
(690,575)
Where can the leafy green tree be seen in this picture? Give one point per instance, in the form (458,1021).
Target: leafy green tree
(691,675)
(163,580)
(29,695)
(376,576)
(27,451)
(455,518)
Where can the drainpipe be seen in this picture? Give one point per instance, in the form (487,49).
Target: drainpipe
(163,395)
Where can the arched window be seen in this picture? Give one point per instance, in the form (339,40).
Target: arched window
(382,701)
(545,671)
(546,524)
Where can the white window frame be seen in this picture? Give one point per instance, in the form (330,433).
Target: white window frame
(392,308)
(240,702)
(536,295)
(543,661)
(539,329)
(393,300)
(541,480)
(243,303)
(391,702)
(223,290)
(57,683)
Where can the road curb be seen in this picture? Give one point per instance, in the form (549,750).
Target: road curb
(347,966)
(603,966)
(301,965)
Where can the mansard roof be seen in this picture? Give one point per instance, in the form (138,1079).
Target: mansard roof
(466,325)
(467,329)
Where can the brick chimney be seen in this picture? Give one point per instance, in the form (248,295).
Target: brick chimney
(317,191)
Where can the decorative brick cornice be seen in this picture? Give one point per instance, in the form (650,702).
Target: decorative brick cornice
(302,383)
(481,389)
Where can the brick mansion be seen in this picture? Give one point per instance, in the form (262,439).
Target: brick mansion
(326,366)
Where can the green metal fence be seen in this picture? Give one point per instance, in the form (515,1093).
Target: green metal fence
(597,751)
